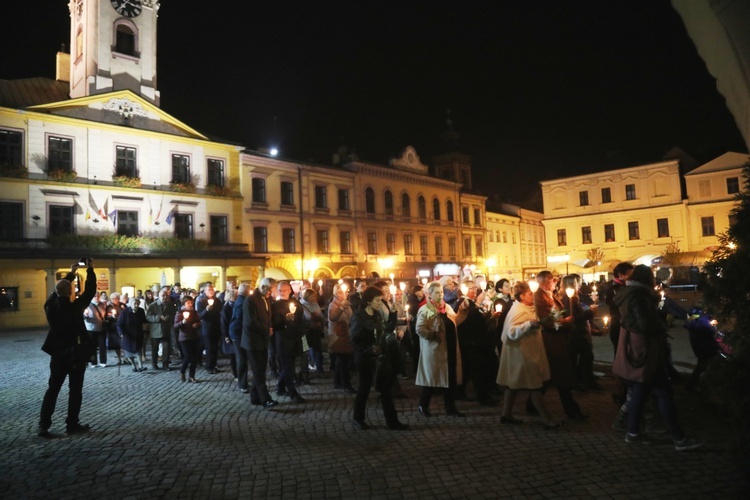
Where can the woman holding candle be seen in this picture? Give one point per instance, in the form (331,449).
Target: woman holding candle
(188,326)
(339,315)
(581,348)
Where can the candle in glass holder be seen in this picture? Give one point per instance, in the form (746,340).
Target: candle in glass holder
(498,308)
(185,315)
(392,289)
(320,284)
(464,288)
(292,308)
(533,286)
(570,292)
(402,286)
(210,302)
(606,321)
(424,281)
(344,287)
(392,276)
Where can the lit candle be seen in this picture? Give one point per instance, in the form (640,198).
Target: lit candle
(344,287)
(402,286)
(606,321)
(341,282)
(292,308)
(498,308)
(185,314)
(424,281)
(392,289)
(392,276)
(464,288)
(533,286)
(662,294)
(713,322)
(570,292)
(320,283)
(210,302)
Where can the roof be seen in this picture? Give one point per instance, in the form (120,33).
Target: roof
(26,92)
(727,161)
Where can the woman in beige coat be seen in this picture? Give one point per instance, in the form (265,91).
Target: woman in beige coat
(440,356)
(523,360)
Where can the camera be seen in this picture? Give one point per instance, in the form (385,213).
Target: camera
(83,261)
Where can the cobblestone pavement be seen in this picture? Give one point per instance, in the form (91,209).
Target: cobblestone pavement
(155,437)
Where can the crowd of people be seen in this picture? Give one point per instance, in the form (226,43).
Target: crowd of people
(501,339)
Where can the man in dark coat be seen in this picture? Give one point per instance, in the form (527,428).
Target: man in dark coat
(67,343)
(555,331)
(209,306)
(256,332)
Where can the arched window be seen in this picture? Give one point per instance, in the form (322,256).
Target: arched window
(369,201)
(422,207)
(125,40)
(388,202)
(405,205)
(449,210)
(436,208)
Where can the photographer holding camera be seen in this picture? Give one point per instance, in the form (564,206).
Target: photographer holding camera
(68,345)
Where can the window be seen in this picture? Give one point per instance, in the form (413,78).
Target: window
(583,198)
(345,239)
(10,148)
(467,247)
(287,240)
(662,228)
(180,169)
(60,220)
(372,243)
(219,233)
(12,216)
(215,169)
(606,195)
(59,154)
(405,206)
(562,239)
(388,203)
(125,162)
(586,235)
(630,191)
(322,239)
(423,247)
(707,226)
(321,197)
(477,217)
(479,243)
(449,210)
(438,246)
(492,236)
(260,239)
(390,243)
(505,236)
(127,223)
(513,236)
(609,232)
(452,246)
(125,40)
(408,245)
(704,188)
(259,190)
(422,207)
(287,193)
(633,231)
(183,227)
(344,199)
(369,201)
(465,215)
(733,185)
(436,209)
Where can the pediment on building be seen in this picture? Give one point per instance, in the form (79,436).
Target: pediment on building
(122,108)
(409,161)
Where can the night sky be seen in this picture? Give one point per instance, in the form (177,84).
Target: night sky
(536,89)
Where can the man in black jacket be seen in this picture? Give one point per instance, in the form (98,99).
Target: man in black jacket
(68,346)
(256,333)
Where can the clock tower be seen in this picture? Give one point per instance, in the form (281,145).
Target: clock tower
(113,47)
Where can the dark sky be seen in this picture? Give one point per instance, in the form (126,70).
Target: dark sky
(537,89)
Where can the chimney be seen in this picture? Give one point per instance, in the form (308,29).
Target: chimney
(62,63)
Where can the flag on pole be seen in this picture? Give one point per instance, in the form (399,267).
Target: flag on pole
(103,210)
(92,206)
(113,215)
(158,213)
(170,215)
(150,212)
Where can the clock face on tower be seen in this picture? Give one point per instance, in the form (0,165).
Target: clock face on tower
(128,8)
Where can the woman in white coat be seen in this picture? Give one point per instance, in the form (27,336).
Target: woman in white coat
(440,357)
(523,360)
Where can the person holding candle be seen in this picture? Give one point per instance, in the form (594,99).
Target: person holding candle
(368,338)
(523,361)
(114,309)
(440,355)
(188,326)
(209,307)
(257,332)
(415,300)
(286,317)
(581,347)
(339,348)
(161,315)
(227,346)
(313,325)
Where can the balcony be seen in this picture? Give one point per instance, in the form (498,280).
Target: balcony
(74,246)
